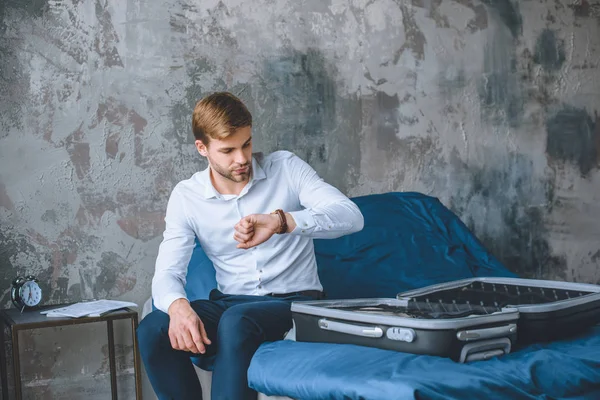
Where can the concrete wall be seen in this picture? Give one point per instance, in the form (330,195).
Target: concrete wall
(490,105)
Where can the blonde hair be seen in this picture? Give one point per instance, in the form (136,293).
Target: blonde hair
(219,115)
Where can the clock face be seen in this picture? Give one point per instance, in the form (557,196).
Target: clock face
(31,294)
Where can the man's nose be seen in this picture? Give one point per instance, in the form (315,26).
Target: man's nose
(241,158)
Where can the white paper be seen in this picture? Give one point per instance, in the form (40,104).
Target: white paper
(88,308)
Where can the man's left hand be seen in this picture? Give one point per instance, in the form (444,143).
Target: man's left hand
(255,229)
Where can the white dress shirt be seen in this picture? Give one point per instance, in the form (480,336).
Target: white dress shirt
(283,264)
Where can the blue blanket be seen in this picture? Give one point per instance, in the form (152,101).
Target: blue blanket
(558,370)
(409,241)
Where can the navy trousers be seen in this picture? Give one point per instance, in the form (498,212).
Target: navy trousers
(236,326)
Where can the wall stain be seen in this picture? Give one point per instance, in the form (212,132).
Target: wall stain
(597,123)
(415,39)
(31,355)
(104,42)
(115,278)
(199,71)
(549,51)
(573,137)
(118,115)
(480,21)
(522,240)
(580,8)
(141,223)
(509,13)
(14,79)
(585,8)
(79,152)
(123,359)
(451,81)
(111,148)
(541,94)
(94,205)
(304,93)
(299,96)
(499,87)
(59,255)
(5,200)
(50,216)
(441,21)
(386,123)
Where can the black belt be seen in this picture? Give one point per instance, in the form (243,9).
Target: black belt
(315,294)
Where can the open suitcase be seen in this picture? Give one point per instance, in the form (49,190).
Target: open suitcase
(466,320)
(548,310)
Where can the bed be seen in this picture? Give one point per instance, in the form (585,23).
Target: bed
(409,241)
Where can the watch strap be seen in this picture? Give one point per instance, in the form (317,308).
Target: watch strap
(283,226)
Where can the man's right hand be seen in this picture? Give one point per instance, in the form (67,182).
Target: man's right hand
(186,329)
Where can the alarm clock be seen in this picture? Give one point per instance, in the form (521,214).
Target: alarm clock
(26,292)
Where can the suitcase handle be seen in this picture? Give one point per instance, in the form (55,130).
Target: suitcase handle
(355,330)
(485,349)
(486,333)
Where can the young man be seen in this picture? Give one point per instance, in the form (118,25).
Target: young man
(255,219)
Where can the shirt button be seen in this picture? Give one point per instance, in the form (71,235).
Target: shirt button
(260,271)
(259,286)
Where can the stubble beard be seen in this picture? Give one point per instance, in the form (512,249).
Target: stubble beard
(230,176)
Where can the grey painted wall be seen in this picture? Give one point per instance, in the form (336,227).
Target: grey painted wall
(492,106)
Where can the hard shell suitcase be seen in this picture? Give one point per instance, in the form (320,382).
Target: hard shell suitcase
(466,320)
(460,331)
(548,310)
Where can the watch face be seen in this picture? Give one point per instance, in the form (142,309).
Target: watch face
(31,294)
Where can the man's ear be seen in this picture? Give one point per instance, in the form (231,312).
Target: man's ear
(201,148)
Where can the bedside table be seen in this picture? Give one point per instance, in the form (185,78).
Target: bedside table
(32,319)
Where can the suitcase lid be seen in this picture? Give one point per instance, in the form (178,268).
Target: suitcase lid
(526,295)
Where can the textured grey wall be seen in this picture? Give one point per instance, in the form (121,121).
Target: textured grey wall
(492,106)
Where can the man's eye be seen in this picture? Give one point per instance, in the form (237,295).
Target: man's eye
(226,151)
(247,144)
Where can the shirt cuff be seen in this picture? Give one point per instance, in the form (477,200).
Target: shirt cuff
(166,301)
(305,223)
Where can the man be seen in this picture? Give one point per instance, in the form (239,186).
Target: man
(255,218)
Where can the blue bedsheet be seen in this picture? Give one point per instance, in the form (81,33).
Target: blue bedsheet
(558,370)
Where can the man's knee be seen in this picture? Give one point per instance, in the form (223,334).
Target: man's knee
(238,322)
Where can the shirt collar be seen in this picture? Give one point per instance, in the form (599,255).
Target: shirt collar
(210,192)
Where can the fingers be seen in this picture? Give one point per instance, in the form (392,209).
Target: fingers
(173,339)
(244,226)
(244,231)
(200,338)
(242,237)
(189,336)
(204,335)
(190,344)
(245,245)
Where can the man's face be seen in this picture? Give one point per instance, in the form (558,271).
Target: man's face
(231,158)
